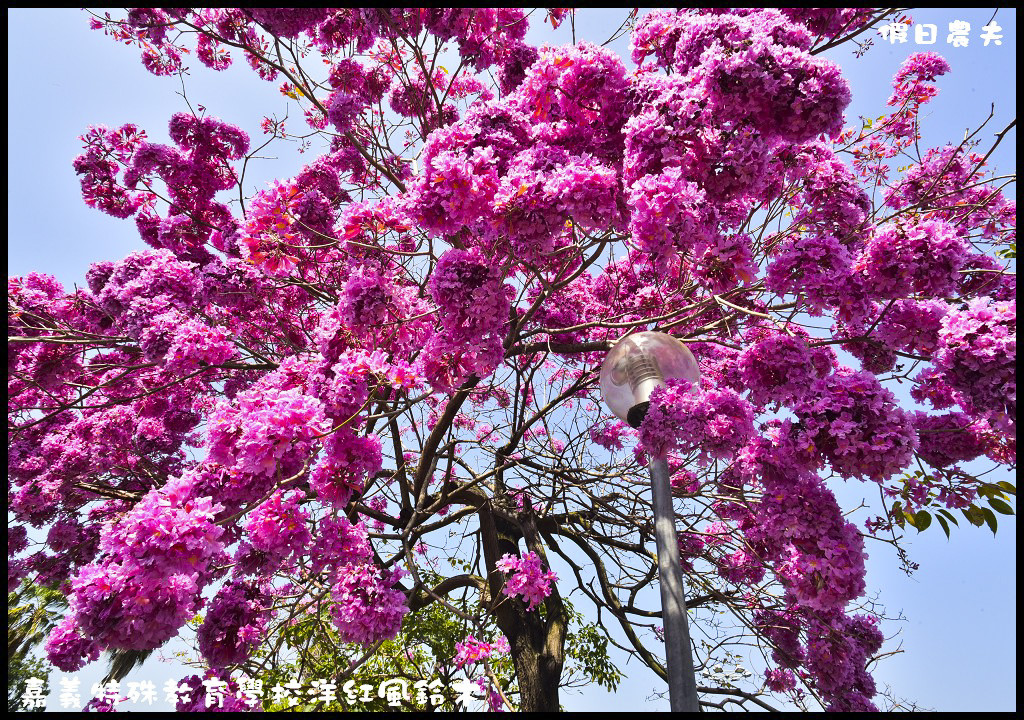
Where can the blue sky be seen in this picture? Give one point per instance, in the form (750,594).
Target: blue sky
(959,639)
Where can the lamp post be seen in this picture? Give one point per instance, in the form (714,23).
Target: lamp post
(633,368)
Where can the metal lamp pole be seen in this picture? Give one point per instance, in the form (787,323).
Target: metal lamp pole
(634,367)
(682,683)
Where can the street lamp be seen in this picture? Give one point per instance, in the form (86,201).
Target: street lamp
(633,368)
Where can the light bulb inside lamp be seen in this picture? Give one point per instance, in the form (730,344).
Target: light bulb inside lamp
(636,365)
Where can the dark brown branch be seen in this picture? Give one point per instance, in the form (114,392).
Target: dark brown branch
(864,28)
(738,693)
(426,596)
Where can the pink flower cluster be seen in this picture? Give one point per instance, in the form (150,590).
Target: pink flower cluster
(338,542)
(544,187)
(829,22)
(835,652)
(948,184)
(347,460)
(779,680)
(472,650)
(485,36)
(921,258)
(114,437)
(984,275)
(107,152)
(38,373)
(514,181)
(838,648)
(715,422)
(197,696)
(912,87)
(948,439)
(334,308)
(379,310)
(911,326)
(183,343)
(289,22)
(741,567)
(274,532)
(146,27)
(669,213)
(528,581)
(367,606)
(780,368)
(417,97)
(744,62)
(854,423)
(673,139)
(576,97)
(193,173)
(976,360)
(818,555)
(68,649)
(154,563)
(474,310)
(690,547)
(265,433)
(818,266)
(142,287)
(404,324)
(906,325)
(609,435)
(725,263)
(830,201)
(270,236)
(235,623)
(797,528)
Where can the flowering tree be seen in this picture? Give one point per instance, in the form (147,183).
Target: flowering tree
(360,407)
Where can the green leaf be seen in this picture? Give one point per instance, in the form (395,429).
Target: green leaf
(1008,487)
(922,519)
(897,513)
(943,524)
(910,519)
(974,515)
(1000,506)
(990,519)
(991,490)
(949,516)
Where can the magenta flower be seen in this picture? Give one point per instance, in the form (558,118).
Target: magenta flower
(528,580)
(472,650)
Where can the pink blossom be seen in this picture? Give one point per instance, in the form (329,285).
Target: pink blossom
(922,258)
(780,368)
(714,422)
(368,608)
(472,650)
(856,425)
(976,358)
(528,580)
(234,624)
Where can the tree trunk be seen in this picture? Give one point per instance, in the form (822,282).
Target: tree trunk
(537,641)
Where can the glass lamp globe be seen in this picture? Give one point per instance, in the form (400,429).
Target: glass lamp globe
(636,365)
